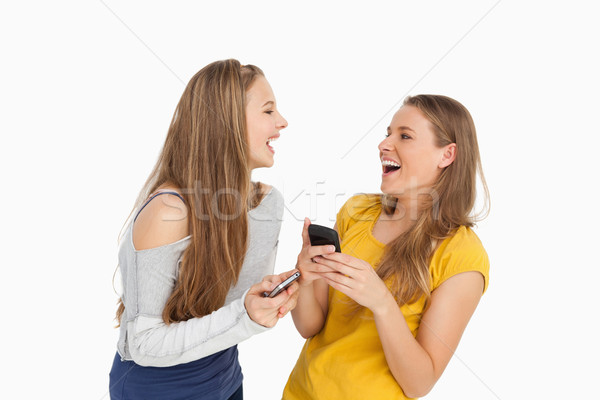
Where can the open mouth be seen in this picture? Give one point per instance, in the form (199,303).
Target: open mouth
(269,140)
(390,166)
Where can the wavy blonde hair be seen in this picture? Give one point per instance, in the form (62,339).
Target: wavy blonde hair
(206,154)
(448,206)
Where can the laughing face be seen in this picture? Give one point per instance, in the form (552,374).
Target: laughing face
(410,158)
(263,122)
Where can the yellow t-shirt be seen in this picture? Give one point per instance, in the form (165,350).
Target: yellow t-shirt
(345,360)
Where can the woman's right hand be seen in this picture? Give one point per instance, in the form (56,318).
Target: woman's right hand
(267,311)
(310,270)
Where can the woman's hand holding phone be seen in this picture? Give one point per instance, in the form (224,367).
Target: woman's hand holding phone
(310,270)
(267,311)
(357,279)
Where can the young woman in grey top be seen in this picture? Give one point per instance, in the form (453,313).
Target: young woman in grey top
(201,239)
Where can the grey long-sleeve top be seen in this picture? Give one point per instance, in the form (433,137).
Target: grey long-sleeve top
(149,277)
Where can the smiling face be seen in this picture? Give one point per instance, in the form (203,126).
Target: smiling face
(263,122)
(410,158)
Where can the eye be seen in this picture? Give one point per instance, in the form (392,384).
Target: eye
(405,136)
(269,112)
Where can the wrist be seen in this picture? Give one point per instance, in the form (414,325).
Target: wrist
(304,283)
(386,306)
(245,299)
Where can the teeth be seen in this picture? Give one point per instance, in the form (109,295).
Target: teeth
(388,163)
(272,139)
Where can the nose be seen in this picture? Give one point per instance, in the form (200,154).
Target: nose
(282,122)
(385,145)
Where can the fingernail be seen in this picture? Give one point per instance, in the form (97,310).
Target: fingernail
(331,249)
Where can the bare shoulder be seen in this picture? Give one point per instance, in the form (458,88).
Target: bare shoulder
(164,220)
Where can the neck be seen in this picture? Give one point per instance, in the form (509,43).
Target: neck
(407,207)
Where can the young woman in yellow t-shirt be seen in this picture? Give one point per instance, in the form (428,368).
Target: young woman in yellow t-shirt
(383,318)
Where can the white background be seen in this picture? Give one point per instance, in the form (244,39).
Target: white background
(88,89)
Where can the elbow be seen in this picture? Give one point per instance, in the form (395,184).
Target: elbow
(416,387)
(139,356)
(419,381)
(141,359)
(148,359)
(307,329)
(305,334)
(145,354)
(416,394)
(308,333)
(416,390)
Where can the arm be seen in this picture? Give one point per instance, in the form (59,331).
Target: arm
(311,309)
(416,363)
(312,306)
(151,342)
(154,343)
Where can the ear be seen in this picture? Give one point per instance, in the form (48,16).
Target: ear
(448,155)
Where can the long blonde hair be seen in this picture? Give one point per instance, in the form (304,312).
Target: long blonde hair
(206,155)
(448,206)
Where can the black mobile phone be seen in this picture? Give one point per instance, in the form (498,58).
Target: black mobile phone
(283,285)
(321,235)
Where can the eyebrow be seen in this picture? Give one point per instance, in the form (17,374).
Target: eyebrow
(401,128)
(405,128)
(271,102)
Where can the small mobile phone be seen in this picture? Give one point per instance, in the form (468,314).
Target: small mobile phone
(321,235)
(283,285)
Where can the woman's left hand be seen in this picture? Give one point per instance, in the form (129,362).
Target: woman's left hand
(355,278)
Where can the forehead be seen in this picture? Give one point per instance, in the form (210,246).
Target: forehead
(260,91)
(411,117)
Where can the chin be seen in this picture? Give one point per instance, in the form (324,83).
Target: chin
(391,191)
(385,189)
(265,164)
(269,163)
